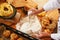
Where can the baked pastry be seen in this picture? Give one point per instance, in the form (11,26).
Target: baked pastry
(20,39)
(14,36)
(6,9)
(48,24)
(6,33)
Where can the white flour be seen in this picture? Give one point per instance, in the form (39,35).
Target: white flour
(29,27)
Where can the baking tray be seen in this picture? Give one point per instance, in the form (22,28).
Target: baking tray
(18,32)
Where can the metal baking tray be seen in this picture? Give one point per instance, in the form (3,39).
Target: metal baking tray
(24,35)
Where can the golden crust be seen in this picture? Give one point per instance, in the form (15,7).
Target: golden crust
(6,9)
(20,39)
(6,33)
(48,23)
(14,36)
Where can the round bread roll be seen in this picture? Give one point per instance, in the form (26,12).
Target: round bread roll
(6,9)
(14,36)
(6,33)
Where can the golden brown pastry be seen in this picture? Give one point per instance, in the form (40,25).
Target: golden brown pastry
(45,22)
(41,15)
(48,23)
(47,30)
(20,39)
(6,33)
(14,36)
(6,9)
